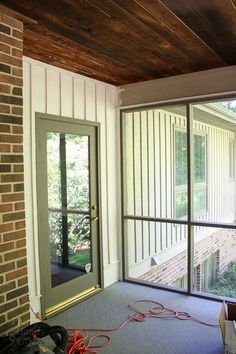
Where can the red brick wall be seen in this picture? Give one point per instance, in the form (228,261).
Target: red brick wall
(223,241)
(14,307)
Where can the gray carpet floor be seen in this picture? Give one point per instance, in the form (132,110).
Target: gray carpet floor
(155,336)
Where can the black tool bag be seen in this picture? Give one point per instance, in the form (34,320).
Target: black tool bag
(36,338)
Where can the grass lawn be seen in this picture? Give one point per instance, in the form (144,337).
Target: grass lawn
(80,258)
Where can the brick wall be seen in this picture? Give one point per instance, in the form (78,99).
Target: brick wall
(14,308)
(222,241)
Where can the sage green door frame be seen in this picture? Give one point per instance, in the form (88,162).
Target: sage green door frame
(55,298)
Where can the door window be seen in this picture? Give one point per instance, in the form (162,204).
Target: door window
(68,206)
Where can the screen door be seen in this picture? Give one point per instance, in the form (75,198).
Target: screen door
(68,210)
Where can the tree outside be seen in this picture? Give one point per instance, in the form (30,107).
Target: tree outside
(76,185)
(225,284)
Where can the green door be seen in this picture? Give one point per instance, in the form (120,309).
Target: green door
(68,213)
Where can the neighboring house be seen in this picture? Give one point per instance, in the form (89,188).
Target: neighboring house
(155,185)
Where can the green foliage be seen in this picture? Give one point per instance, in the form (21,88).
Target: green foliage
(53,170)
(225,283)
(80,258)
(229,105)
(77,183)
(55,235)
(78,230)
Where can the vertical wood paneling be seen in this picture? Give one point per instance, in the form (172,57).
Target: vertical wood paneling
(151,181)
(79,99)
(210,141)
(163,186)
(157,173)
(67,96)
(111,173)
(169,153)
(128,192)
(144,164)
(218,160)
(228,187)
(90,101)
(137,183)
(53,92)
(144,182)
(38,76)
(101,114)
(137,189)
(50,90)
(217,177)
(222,174)
(178,233)
(131,241)
(128,153)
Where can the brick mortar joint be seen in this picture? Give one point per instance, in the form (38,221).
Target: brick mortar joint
(13,67)
(12,250)
(20,314)
(9,310)
(9,84)
(20,23)
(11,35)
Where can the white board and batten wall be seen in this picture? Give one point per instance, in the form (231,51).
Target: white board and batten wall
(51,90)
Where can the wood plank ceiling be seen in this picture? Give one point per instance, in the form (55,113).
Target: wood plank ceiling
(126,41)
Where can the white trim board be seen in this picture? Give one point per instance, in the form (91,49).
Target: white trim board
(221,81)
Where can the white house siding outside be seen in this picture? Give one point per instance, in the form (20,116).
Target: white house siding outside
(157,251)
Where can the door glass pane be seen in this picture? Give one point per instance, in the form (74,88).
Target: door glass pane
(68,206)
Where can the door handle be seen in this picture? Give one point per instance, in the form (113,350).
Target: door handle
(95,218)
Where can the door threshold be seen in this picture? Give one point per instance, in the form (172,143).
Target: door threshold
(51,311)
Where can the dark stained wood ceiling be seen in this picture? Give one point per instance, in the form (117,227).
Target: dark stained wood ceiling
(126,41)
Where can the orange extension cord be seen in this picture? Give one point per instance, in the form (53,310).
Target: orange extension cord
(82,344)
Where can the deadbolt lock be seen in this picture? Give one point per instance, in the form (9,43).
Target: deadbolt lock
(94,216)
